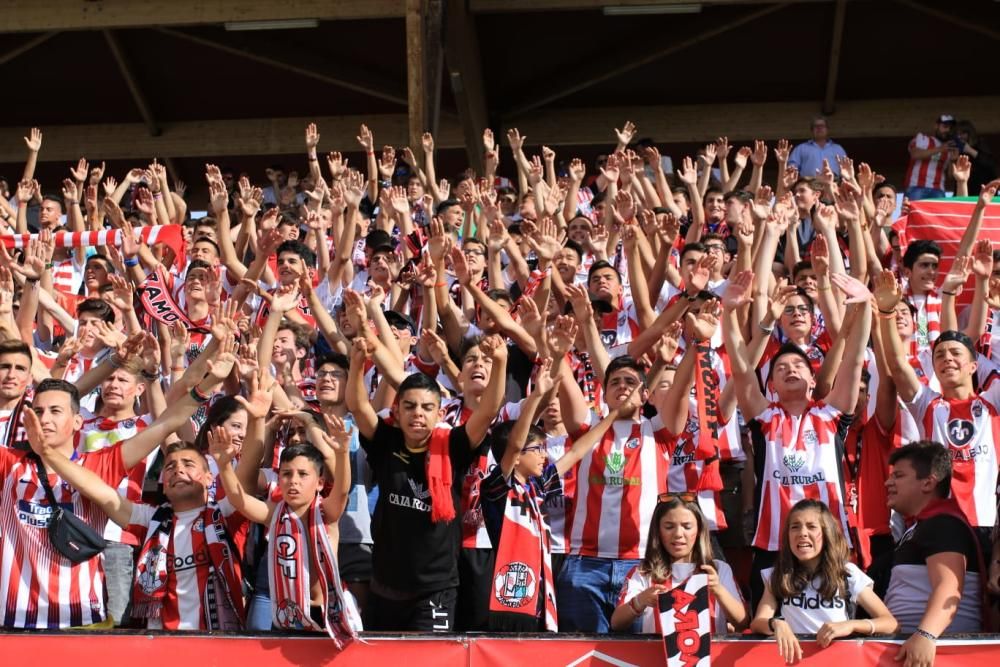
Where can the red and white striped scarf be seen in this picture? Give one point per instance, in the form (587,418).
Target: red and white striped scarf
(299,551)
(150,235)
(930,311)
(220,591)
(523,564)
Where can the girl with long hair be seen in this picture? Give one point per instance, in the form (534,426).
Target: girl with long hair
(813,588)
(677,547)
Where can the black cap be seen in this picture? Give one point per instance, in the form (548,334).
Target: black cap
(398,320)
(958,337)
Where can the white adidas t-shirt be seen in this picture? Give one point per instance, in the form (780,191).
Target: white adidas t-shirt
(807,612)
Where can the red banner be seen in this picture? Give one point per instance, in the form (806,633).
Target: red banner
(944,221)
(170,650)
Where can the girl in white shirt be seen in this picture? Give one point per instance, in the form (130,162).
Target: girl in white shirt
(677,547)
(813,588)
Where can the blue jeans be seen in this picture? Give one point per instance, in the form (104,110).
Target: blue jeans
(915,193)
(587,592)
(259,615)
(119,573)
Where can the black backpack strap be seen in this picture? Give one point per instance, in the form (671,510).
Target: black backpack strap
(43,477)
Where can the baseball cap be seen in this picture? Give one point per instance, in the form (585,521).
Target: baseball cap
(398,320)
(946,118)
(958,337)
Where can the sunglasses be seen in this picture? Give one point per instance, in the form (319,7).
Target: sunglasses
(683,496)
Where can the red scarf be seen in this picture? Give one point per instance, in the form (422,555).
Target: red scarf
(523,566)
(290,570)
(706,386)
(439,476)
(221,591)
(159,303)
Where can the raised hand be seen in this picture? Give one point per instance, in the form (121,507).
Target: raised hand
(337,165)
(493,347)
(312,137)
(707,156)
(789,177)
(623,207)
(982,259)
(338,434)
(489,143)
(737,290)
(626,134)
(742,155)
(221,446)
(427,141)
(563,335)
(782,151)
(687,174)
(80,171)
(961,169)
(545,241)
(853,288)
(887,291)
(387,162)
(285,299)
(34,140)
(221,365)
(701,273)
(701,327)
(846,166)
(515,139)
(611,171)
(959,273)
(460,266)
(259,402)
(722,148)
(365,139)
(759,155)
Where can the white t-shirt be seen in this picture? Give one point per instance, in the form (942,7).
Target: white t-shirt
(807,612)
(636,582)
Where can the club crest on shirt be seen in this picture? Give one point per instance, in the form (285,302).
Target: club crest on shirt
(609,337)
(794,461)
(514,585)
(960,431)
(810,439)
(632,444)
(977,410)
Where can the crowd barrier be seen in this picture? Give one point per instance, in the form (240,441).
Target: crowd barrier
(147,649)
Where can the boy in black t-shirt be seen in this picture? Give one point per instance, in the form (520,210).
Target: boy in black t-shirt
(417,464)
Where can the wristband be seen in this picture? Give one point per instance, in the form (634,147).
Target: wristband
(924,634)
(768,330)
(824,289)
(31,280)
(887,312)
(152,377)
(872,624)
(131,261)
(157,195)
(198,396)
(886,316)
(632,605)
(178,369)
(49,265)
(955,293)
(770,622)
(371,152)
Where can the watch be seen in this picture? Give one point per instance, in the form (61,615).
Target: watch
(770,621)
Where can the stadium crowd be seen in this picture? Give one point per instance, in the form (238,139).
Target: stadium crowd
(371,399)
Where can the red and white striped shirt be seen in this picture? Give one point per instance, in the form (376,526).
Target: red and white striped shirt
(617,484)
(926,172)
(67,276)
(100,433)
(970,429)
(39,587)
(800,461)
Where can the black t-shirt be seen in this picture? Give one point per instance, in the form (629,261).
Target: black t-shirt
(412,554)
(939,534)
